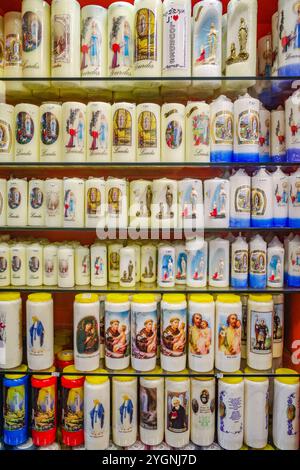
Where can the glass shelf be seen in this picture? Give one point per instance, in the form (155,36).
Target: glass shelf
(151,288)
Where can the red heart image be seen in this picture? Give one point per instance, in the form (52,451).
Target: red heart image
(293,199)
(278,198)
(293,262)
(175,17)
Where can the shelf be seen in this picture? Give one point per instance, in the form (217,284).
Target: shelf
(144,288)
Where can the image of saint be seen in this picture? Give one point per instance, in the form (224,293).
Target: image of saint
(116,339)
(90,44)
(69,205)
(72,414)
(262,339)
(14,197)
(87,336)
(44,409)
(200,335)
(93,201)
(2,331)
(128,275)
(122,128)
(72,128)
(148,271)
(126,412)
(174,338)
(97,416)
(147,130)
(14,408)
(230,336)
(218,273)
(177,418)
(146,339)
(37,333)
(32,31)
(115,201)
(218,203)
(174,134)
(145,36)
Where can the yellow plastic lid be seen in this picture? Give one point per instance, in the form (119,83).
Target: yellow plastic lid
(70,370)
(66,355)
(9,296)
(287,380)
(174,298)
(260,297)
(248,370)
(233,380)
(117,298)
(125,378)
(41,377)
(18,374)
(228,298)
(97,379)
(201,298)
(204,379)
(178,378)
(157,370)
(144,298)
(86,298)
(40,297)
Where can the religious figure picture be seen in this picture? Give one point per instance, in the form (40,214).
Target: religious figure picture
(49,128)
(122,128)
(229,335)
(148,408)
(206,37)
(145,47)
(174,135)
(241,53)
(61,39)
(36,198)
(72,409)
(14,408)
(114,201)
(93,201)
(37,333)
(261,332)
(32,31)
(147,130)
(126,411)
(5,137)
(117,335)
(87,335)
(69,205)
(120,43)
(200,334)
(14,197)
(218,202)
(144,335)
(173,338)
(91,41)
(177,411)
(24,128)
(44,408)
(97,418)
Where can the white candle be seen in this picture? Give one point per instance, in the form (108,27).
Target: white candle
(239,262)
(11,318)
(73,189)
(54,202)
(116,197)
(293,265)
(66,270)
(201,317)
(18,264)
(203,411)
(17,202)
(36,206)
(98,265)
(197,132)
(51,132)
(147,38)
(292,127)
(219,263)
(180,264)
(240,199)
(278,150)
(117,331)
(124,409)
(207,40)
(148,263)
(294,199)
(13,52)
(93,43)
(140,203)
(152,407)
(82,266)
(50,265)
(289,36)
(256,416)
(164,204)
(74,131)
(120,43)
(3,202)
(166,266)
(4,265)
(127,267)
(258,263)
(173,132)
(27,132)
(95,202)
(231,412)
(190,204)
(221,130)
(246,125)
(123,132)
(275,263)
(99,131)
(216,203)
(34,264)
(262,199)
(173,332)
(36,41)
(260,331)
(177,411)
(196,263)
(148,132)
(65,40)
(241,42)
(7,129)
(275,43)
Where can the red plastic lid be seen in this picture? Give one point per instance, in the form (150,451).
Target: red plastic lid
(45,438)
(72,439)
(38,381)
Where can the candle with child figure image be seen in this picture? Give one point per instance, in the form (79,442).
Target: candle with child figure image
(174,332)
(117,331)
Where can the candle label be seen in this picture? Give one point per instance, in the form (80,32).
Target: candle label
(240,262)
(97,418)
(173,132)
(145,47)
(200,132)
(114,261)
(278,322)
(49,128)
(87,336)
(114,201)
(222,128)
(121,47)
(148,408)
(16,264)
(217,262)
(239,33)
(259,202)
(125,406)
(5,136)
(147,133)
(49,266)
(43,408)
(173,338)
(206,37)
(230,413)
(261,332)
(14,197)
(242,199)
(175,39)
(289,32)
(61,30)
(144,334)
(203,407)
(91,40)
(178,411)
(141,199)
(3,268)
(165,202)
(292,409)
(127,266)
(14,411)
(52,203)
(248,128)
(117,334)
(63,268)
(75,128)
(99,267)
(218,202)
(264,136)
(295,192)
(258,262)
(98,134)
(13,50)
(122,130)
(32,31)
(200,333)
(191,201)
(278,136)
(181,264)
(294,127)
(93,202)
(294,266)
(167,268)
(148,265)
(34,266)
(36,201)
(72,409)
(229,334)
(198,265)
(24,128)
(70,205)
(3,338)
(275,269)
(85,264)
